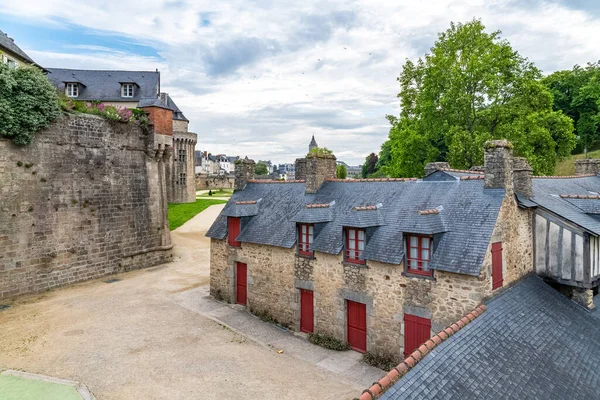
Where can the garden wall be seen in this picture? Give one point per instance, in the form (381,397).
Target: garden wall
(86,199)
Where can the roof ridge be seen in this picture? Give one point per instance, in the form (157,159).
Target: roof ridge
(472,177)
(430,211)
(379,387)
(274,181)
(318,205)
(580,196)
(562,176)
(372,180)
(99,70)
(245,202)
(462,170)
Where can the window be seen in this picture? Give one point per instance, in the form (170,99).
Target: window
(127,90)
(305,239)
(233,230)
(11,63)
(418,255)
(72,90)
(497,279)
(182,156)
(355,245)
(181,179)
(416,332)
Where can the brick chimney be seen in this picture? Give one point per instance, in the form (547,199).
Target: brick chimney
(522,173)
(318,168)
(431,167)
(160,115)
(498,165)
(244,171)
(587,166)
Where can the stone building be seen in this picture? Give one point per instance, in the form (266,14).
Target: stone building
(385,263)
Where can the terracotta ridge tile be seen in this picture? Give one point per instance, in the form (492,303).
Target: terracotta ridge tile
(318,205)
(274,181)
(372,180)
(472,177)
(561,177)
(246,202)
(428,212)
(580,196)
(364,208)
(379,387)
(462,170)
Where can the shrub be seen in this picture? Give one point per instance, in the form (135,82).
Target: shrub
(328,341)
(210,192)
(320,151)
(28,103)
(379,360)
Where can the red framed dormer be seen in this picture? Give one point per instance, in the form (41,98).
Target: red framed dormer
(355,245)
(418,254)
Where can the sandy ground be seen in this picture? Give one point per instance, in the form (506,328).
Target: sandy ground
(131,340)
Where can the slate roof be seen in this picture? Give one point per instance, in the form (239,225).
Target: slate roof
(468,210)
(152,102)
(106,85)
(177,113)
(363,218)
(547,194)
(314,215)
(8,44)
(242,210)
(531,343)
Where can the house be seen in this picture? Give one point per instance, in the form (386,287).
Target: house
(139,89)
(354,171)
(384,264)
(287,171)
(11,54)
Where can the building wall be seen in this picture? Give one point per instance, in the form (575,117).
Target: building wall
(126,104)
(15,57)
(180,125)
(87,198)
(183,193)
(204,181)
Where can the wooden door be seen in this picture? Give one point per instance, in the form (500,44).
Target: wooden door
(307,315)
(497,278)
(416,332)
(241,278)
(357,325)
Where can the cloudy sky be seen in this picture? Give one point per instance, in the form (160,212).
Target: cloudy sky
(258,78)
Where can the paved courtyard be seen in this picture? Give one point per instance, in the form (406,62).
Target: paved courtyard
(155,334)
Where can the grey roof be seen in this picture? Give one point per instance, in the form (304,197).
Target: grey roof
(524,202)
(547,191)
(242,210)
(10,45)
(363,218)
(177,113)
(313,215)
(424,224)
(469,209)
(152,102)
(588,206)
(106,85)
(531,343)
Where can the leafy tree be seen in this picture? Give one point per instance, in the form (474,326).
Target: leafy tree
(261,169)
(370,165)
(577,94)
(341,171)
(28,103)
(470,88)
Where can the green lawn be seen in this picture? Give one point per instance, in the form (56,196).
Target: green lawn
(217,193)
(17,388)
(567,166)
(179,214)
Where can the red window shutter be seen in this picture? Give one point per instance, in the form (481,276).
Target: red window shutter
(416,332)
(497,278)
(233,230)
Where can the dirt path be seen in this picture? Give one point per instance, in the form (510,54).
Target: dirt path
(130,339)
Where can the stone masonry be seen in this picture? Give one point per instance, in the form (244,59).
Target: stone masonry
(244,171)
(587,166)
(87,198)
(183,187)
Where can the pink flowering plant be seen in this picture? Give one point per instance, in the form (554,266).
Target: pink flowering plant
(113,113)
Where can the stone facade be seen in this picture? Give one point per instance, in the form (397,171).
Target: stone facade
(318,168)
(204,181)
(587,166)
(87,198)
(183,187)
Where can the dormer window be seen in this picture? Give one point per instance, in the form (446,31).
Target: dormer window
(355,245)
(72,89)
(127,90)
(305,239)
(418,255)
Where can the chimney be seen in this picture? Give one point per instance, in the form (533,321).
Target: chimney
(244,171)
(587,166)
(318,168)
(498,165)
(431,167)
(300,166)
(522,173)
(164,98)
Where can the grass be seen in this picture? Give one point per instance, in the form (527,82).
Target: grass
(17,388)
(567,166)
(217,193)
(328,341)
(179,214)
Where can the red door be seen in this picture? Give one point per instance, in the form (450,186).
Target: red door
(307,316)
(416,332)
(497,265)
(241,277)
(357,326)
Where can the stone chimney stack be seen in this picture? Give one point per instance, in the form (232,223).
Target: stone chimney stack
(498,165)
(587,166)
(244,171)
(300,166)
(431,167)
(318,168)
(522,173)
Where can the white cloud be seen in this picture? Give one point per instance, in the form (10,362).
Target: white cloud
(259,78)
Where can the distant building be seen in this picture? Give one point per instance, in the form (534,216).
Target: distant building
(287,171)
(354,171)
(313,144)
(220,164)
(11,54)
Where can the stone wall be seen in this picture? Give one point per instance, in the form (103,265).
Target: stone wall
(183,184)
(204,181)
(87,198)
(180,125)
(587,166)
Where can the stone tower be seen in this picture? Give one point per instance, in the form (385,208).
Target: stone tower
(313,144)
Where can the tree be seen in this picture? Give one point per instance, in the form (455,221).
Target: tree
(370,165)
(341,171)
(577,94)
(261,169)
(28,103)
(473,87)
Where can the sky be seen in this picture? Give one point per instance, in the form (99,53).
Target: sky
(259,78)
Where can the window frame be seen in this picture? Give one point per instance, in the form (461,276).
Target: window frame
(125,90)
(181,155)
(419,260)
(182,179)
(354,258)
(74,92)
(305,240)
(232,235)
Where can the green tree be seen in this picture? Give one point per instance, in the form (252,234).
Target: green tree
(341,171)
(577,94)
(370,165)
(470,88)
(261,169)
(28,103)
